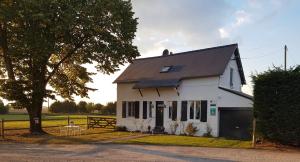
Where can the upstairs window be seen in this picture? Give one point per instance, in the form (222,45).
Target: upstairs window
(165,69)
(231,77)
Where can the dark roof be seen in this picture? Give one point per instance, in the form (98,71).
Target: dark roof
(237,93)
(156,83)
(192,64)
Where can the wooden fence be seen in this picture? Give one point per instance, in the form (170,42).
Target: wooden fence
(91,122)
(100,122)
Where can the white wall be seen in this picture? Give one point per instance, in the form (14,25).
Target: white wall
(227,99)
(189,90)
(225,78)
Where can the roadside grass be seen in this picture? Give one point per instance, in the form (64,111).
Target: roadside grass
(53,137)
(175,140)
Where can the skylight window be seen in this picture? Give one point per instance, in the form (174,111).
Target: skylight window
(165,69)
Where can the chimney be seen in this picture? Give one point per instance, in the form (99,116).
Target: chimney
(165,52)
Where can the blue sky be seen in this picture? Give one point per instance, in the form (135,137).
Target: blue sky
(260,27)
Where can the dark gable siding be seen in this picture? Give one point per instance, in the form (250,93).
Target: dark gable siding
(137,109)
(124,109)
(184,111)
(203,111)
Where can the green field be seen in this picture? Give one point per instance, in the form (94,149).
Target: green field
(44,116)
(47,120)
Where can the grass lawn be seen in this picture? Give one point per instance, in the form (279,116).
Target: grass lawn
(53,136)
(187,141)
(55,120)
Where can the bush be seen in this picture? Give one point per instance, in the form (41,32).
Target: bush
(121,128)
(190,129)
(208,132)
(3,108)
(277,105)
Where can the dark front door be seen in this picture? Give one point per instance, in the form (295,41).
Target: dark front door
(159,119)
(235,123)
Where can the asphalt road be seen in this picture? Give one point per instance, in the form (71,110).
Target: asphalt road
(116,152)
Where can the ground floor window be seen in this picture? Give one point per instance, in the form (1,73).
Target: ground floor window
(173,110)
(197,110)
(130,109)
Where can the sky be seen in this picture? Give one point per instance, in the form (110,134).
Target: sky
(260,27)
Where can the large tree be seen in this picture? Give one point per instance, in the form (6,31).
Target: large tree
(45,43)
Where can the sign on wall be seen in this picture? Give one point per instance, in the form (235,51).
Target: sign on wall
(213,109)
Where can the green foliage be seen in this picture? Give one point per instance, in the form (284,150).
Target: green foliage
(191,129)
(63,107)
(277,105)
(109,109)
(208,132)
(3,108)
(45,43)
(82,107)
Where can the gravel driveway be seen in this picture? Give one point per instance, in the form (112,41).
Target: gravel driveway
(117,152)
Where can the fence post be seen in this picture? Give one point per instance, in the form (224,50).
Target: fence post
(253,133)
(2,128)
(87,122)
(68,120)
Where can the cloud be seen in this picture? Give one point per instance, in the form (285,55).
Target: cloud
(241,18)
(186,25)
(223,33)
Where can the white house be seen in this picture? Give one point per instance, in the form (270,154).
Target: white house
(203,87)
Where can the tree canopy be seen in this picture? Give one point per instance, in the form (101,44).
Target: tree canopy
(45,43)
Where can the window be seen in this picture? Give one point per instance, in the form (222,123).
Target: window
(145,107)
(191,109)
(198,109)
(184,111)
(231,77)
(203,111)
(131,110)
(173,110)
(165,69)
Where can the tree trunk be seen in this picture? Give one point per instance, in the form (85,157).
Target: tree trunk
(35,116)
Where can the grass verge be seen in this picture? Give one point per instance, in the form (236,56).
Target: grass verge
(187,141)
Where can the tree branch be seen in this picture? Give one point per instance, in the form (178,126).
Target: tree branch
(4,46)
(56,67)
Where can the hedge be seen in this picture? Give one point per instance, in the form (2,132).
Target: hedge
(277,105)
